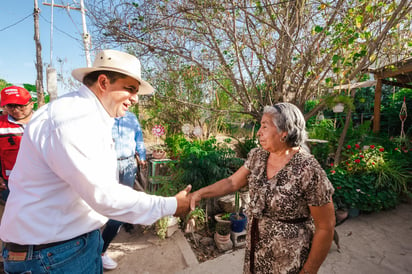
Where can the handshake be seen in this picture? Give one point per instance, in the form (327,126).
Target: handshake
(186,201)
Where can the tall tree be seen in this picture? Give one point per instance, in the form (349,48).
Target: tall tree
(269,52)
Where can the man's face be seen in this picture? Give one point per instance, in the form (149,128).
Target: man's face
(19,112)
(117,97)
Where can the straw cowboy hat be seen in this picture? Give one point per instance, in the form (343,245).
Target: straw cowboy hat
(117,61)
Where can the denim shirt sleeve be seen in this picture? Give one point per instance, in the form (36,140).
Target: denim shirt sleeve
(140,147)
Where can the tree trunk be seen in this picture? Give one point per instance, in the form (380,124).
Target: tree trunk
(39,63)
(344,132)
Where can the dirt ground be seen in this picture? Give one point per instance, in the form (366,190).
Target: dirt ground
(142,251)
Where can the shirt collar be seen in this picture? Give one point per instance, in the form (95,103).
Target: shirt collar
(85,91)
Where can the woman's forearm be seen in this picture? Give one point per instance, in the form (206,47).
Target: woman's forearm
(217,189)
(321,243)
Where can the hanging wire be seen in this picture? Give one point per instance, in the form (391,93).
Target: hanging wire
(71,18)
(21,20)
(58,29)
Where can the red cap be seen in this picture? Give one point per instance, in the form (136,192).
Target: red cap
(14,95)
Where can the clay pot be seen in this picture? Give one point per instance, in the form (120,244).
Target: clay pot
(223,242)
(218,218)
(222,238)
(159,154)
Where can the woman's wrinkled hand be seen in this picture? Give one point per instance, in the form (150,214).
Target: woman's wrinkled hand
(195,198)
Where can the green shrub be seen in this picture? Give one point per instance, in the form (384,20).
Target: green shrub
(368,179)
(201,163)
(244,145)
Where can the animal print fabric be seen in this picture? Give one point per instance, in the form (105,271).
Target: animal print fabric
(283,247)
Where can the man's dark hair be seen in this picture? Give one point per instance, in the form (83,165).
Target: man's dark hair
(91,78)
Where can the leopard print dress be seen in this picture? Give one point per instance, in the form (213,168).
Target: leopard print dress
(280,238)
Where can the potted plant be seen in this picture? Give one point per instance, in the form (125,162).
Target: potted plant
(158,151)
(339,107)
(223,218)
(238,220)
(222,236)
(338,103)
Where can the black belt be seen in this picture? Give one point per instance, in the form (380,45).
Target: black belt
(125,158)
(24,248)
(294,221)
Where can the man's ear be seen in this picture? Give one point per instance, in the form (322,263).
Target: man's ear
(102,81)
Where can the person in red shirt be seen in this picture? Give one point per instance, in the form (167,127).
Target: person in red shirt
(18,104)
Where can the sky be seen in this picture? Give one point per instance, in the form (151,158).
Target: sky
(17,45)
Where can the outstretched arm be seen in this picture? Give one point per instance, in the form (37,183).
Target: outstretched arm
(220,188)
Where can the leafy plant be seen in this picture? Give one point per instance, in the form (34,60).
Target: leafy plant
(323,130)
(244,145)
(226,216)
(331,101)
(368,179)
(199,217)
(202,163)
(162,225)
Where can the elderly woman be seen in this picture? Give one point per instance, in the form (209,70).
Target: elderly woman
(291,213)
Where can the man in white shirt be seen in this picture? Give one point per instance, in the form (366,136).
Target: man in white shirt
(64,185)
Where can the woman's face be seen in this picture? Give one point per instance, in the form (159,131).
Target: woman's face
(269,137)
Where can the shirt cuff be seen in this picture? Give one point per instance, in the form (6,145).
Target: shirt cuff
(171,205)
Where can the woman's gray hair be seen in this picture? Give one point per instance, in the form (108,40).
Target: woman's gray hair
(288,118)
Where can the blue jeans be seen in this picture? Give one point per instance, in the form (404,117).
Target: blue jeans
(127,175)
(5,193)
(79,255)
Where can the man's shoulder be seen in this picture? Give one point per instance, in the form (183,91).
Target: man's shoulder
(3,118)
(71,106)
(4,122)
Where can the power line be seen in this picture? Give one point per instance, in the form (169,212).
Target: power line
(74,38)
(70,16)
(21,20)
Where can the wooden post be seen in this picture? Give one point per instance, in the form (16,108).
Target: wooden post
(377,106)
(39,62)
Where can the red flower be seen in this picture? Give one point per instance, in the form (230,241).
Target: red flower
(331,164)
(396,148)
(347,163)
(357,161)
(372,146)
(338,187)
(348,146)
(373,163)
(357,145)
(381,149)
(361,156)
(332,171)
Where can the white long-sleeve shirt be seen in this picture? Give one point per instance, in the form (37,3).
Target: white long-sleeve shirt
(64,183)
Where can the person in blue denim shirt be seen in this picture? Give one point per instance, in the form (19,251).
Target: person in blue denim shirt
(128,139)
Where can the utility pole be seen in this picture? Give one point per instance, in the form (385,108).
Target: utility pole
(50,71)
(86,35)
(39,62)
